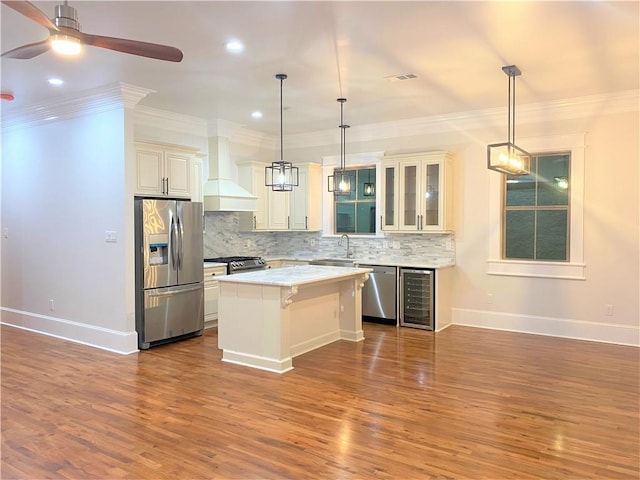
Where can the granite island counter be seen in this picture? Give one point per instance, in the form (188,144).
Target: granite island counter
(267,317)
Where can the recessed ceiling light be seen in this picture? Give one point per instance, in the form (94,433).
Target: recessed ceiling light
(234,46)
(256,114)
(55,81)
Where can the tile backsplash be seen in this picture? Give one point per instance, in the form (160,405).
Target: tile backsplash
(223,237)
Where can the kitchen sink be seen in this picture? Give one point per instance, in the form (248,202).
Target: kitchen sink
(334,262)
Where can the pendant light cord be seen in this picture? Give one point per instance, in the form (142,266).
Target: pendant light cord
(281,137)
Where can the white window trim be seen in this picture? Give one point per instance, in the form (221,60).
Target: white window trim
(356,160)
(574,269)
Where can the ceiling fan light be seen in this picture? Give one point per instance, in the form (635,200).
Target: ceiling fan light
(66,44)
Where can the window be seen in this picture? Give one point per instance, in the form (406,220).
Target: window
(536,210)
(356,212)
(520,265)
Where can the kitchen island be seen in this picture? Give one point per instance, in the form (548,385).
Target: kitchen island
(266,318)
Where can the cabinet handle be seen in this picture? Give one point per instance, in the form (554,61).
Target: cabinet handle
(306,223)
(167,186)
(288,227)
(254,222)
(213,274)
(381,223)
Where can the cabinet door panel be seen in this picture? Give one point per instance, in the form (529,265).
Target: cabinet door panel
(278,210)
(149,172)
(410,198)
(389,197)
(298,202)
(178,170)
(431,195)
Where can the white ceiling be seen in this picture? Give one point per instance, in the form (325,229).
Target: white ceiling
(332,49)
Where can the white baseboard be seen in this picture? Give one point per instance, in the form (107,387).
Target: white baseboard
(99,337)
(254,361)
(555,327)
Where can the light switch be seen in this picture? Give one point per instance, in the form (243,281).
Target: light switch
(111,236)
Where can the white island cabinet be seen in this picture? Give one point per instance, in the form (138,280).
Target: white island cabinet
(266,318)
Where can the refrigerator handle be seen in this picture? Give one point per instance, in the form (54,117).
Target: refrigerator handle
(174,243)
(180,241)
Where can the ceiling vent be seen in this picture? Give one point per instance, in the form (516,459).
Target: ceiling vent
(402,76)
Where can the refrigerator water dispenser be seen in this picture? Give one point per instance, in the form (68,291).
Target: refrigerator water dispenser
(158,249)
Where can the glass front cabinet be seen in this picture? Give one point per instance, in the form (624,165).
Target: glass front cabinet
(417,192)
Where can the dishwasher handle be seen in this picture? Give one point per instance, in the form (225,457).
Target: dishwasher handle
(380,269)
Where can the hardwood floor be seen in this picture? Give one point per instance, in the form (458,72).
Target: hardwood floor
(464,403)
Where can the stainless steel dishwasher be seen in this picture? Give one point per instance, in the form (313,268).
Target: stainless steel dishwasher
(379,297)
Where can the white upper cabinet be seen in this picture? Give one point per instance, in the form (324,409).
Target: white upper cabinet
(163,170)
(305,210)
(299,209)
(197,179)
(417,192)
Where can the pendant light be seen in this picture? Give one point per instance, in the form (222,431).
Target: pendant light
(369,188)
(339,183)
(281,176)
(507,157)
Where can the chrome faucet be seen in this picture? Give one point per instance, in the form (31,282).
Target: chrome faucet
(349,252)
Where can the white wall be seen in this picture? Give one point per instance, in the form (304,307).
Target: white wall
(570,308)
(63,188)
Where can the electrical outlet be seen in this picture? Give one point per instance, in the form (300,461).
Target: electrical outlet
(385,244)
(608,310)
(449,245)
(111,236)
(312,242)
(489,298)
(396,245)
(52,307)
(5,233)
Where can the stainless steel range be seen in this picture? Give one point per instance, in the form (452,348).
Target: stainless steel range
(240,264)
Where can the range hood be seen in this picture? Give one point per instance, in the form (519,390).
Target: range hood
(220,192)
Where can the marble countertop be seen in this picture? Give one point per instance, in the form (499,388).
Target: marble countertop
(291,276)
(387,261)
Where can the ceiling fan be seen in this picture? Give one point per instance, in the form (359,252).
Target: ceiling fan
(65,27)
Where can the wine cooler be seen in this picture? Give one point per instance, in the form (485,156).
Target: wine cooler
(417,298)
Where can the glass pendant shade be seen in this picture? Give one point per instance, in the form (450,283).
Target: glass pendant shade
(339,183)
(369,189)
(507,157)
(281,176)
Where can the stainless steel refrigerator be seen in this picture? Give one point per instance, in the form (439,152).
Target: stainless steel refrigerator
(169,270)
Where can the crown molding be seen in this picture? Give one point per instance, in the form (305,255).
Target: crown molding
(253,138)
(605,104)
(97,100)
(165,120)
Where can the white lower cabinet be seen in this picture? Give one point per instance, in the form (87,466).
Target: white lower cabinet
(211,294)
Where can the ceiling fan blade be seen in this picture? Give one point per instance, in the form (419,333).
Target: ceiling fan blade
(134,47)
(31,50)
(32,12)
